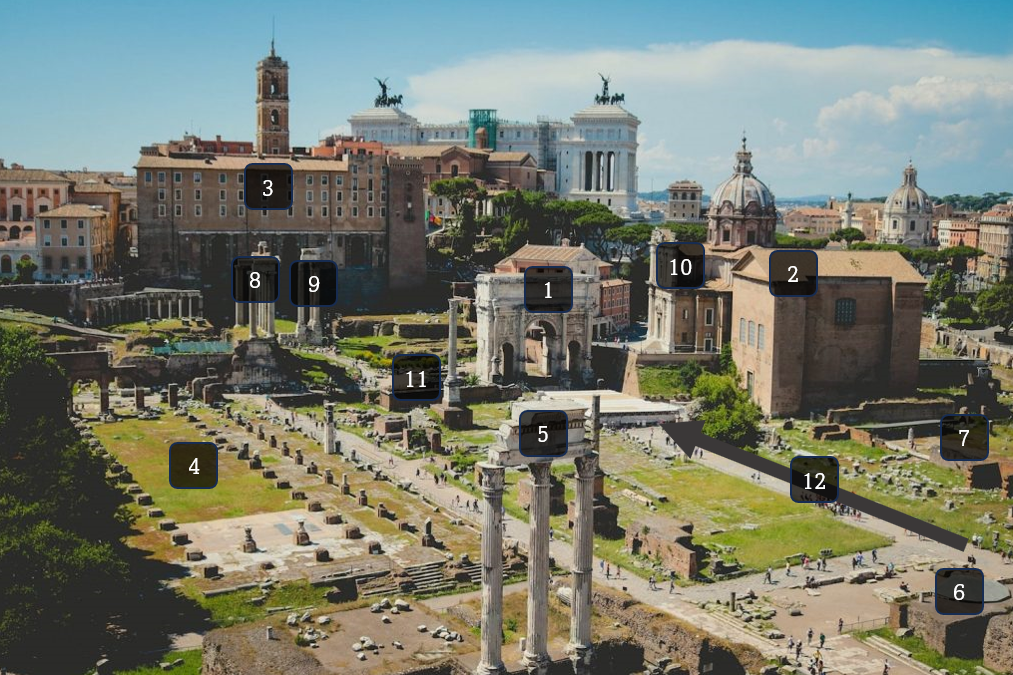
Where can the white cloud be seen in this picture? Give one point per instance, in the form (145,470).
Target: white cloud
(866,108)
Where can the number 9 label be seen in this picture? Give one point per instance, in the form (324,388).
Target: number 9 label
(313,283)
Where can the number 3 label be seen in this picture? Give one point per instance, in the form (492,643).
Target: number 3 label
(268,188)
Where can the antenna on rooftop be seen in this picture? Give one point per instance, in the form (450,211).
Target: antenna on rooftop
(272,36)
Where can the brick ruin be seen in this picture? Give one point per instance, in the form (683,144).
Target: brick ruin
(673,546)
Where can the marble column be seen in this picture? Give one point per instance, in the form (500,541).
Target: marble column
(536,651)
(269,319)
(329,428)
(452,390)
(491,661)
(189,306)
(148,303)
(254,312)
(103,395)
(240,320)
(180,307)
(300,328)
(651,322)
(580,647)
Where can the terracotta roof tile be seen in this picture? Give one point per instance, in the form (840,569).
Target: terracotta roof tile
(30,176)
(866,264)
(73,211)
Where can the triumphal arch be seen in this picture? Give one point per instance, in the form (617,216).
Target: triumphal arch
(513,342)
(505,453)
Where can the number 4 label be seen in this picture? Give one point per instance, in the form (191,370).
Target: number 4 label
(194,468)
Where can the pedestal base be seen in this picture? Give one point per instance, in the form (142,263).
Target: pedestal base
(454,417)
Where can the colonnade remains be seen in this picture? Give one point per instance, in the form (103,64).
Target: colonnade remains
(506,453)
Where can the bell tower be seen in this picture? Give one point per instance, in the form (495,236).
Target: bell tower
(272,105)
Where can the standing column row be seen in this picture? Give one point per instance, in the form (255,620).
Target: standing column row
(491,661)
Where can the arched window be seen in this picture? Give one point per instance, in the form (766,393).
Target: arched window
(274,117)
(912,226)
(274,85)
(895,224)
(453,170)
(844,311)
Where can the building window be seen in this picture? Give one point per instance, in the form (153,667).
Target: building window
(309,211)
(45,224)
(708,316)
(221,195)
(323,179)
(912,226)
(222,178)
(80,240)
(309,179)
(338,212)
(161,194)
(161,177)
(685,314)
(147,177)
(64,241)
(241,195)
(196,176)
(178,194)
(338,196)
(309,194)
(223,210)
(196,194)
(324,211)
(177,177)
(242,210)
(179,210)
(161,210)
(761,336)
(355,212)
(895,224)
(752,333)
(844,312)
(63,224)
(383,211)
(80,224)
(369,212)
(47,241)
(197,210)
(339,180)
(291,211)
(240,178)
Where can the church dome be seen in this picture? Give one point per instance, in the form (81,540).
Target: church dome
(743,188)
(908,198)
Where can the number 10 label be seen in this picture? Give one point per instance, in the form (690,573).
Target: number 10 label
(679,265)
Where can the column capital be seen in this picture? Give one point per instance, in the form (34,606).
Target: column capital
(493,479)
(541,473)
(587,466)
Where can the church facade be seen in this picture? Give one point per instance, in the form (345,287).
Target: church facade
(593,156)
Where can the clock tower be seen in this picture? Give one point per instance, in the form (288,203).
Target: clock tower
(272,105)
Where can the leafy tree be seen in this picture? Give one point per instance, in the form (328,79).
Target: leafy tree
(726,362)
(972,202)
(995,305)
(627,241)
(787,241)
(687,231)
(462,193)
(58,514)
(848,235)
(26,270)
(941,288)
(726,411)
(515,235)
(958,307)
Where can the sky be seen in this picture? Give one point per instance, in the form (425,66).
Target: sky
(834,97)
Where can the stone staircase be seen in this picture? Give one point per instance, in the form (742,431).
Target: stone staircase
(428,578)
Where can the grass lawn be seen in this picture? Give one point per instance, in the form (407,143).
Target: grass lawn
(191,664)
(143,445)
(232,608)
(922,652)
(659,381)
(962,520)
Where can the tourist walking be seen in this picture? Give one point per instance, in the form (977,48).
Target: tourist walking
(823,638)
(767,577)
(608,571)
(840,626)
(671,586)
(809,636)
(886,666)
(787,569)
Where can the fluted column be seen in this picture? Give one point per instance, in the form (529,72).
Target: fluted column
(580,647)
(536,652)
(254,312)
(491,662)
(269,319)
(240,321)
(328,428)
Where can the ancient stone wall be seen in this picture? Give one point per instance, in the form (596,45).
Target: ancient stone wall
(674,549)
(886,412)
(998,646)
(56,299)
(428,331)
(665,636)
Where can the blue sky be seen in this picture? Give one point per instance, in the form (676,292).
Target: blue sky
(834,96)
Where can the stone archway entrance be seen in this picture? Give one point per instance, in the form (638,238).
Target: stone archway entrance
(514,343)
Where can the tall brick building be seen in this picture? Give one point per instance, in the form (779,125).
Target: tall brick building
(858,336)
(364,210)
